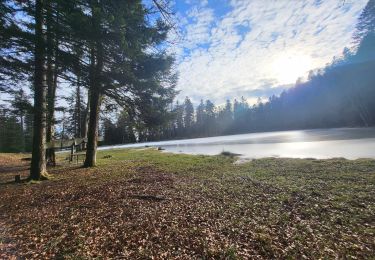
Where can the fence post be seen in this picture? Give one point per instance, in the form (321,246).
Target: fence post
(71,152)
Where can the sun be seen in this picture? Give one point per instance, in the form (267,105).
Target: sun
(288,67)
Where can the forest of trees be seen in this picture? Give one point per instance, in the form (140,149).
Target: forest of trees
(111,57)
(106,52)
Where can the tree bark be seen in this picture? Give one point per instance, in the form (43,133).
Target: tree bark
(38,161)
(92,136)
(23,131)
(86,117)
(96,68)
(78,111)
(51,83)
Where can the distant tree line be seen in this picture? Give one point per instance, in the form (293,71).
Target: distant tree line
(16,124)
(340,95)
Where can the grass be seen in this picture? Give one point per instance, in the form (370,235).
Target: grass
(141,203)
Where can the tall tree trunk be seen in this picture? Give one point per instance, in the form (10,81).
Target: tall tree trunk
(92,136)
(38,161)
(22,116)
(94,100)
(85,119)
(51,83)
(78,111)
(96,68)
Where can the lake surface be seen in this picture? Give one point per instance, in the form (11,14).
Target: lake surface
(350,143)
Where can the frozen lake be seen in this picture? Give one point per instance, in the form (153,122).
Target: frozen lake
(350,143)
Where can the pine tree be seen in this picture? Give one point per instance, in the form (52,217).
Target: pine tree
(11,134)
(210,117)
(188,114)
(179,115)
(52,45)
(200,117)
(15,42)
(38,161)
(137,77)
(126,128)
(21,107)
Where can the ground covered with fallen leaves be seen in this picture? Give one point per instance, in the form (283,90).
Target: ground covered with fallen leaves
(145,204)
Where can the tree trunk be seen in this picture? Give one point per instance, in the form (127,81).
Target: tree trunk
(94,100)
(78,111)
(85,122)
(22,131)
(92,136)
(38,161)
(51,83)
(96,68)
(86,117)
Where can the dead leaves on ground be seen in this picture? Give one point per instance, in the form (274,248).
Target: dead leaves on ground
(138,210)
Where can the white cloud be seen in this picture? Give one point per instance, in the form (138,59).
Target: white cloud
(220,58)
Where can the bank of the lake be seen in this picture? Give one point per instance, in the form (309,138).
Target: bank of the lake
(142,203)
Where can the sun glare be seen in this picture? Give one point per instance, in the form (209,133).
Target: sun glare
(287,68)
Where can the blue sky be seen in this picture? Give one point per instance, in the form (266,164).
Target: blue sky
(256,48)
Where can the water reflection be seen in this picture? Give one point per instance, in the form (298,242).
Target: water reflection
(350,143)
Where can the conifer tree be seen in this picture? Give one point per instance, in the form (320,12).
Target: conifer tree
(122,68)
(188,113)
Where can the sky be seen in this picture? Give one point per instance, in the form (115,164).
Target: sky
(256,48)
